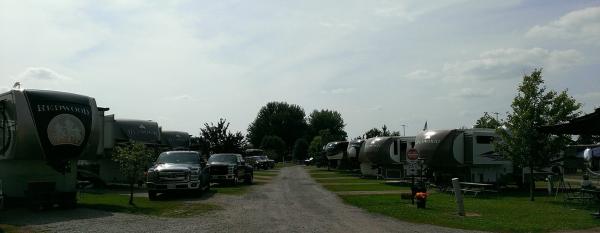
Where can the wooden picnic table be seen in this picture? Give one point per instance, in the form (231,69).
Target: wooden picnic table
(596,193)
(476,188)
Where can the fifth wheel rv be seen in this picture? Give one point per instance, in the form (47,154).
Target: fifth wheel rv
(384,156)
(43,134)
(464,153)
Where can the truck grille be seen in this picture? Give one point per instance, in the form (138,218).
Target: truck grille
(173,176)
(219,170)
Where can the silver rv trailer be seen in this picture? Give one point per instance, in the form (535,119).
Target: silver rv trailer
(464,153)
(384,156)
(43,134)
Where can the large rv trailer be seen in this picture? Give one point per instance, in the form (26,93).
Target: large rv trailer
(384,156)
(464,153)
(43,134)
(119,131)
(175,140)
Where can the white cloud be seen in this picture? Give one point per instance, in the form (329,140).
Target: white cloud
(41,74)
(474,92)
(512,63)
(183,97)
(338,91)
(580,25)
(422,75)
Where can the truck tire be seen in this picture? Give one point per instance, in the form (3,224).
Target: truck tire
(248,179)
(151,195)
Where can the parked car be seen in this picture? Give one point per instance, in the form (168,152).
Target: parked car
(256,162)
(229,168)
(270,163)
(177,170)
(309,161)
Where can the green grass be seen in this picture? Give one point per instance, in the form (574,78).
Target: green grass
(365,187)
(506,212)
(502,214)
(5,228)
(114,202)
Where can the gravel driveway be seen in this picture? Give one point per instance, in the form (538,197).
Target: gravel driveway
(292,202)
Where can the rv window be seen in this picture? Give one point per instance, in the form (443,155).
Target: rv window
(485,139)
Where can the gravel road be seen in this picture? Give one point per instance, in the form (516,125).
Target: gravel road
(292,202)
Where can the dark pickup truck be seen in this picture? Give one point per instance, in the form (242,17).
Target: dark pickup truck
(229,168)
(177,170)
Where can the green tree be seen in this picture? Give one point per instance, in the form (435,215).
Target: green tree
(133,159)
(219,139)
(278,119)
(274,146)
(534,106)
(300,149)
(487,121)
(327,120)
(374,132)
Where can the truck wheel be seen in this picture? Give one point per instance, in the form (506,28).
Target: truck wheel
(151,195)
(248,179)
(207,188)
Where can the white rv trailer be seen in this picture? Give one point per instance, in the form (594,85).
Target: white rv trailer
(43,134)
(468,154)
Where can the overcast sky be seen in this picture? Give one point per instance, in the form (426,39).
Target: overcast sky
(183,63)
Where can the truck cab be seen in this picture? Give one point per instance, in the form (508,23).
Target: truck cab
(177,170)
(230,168)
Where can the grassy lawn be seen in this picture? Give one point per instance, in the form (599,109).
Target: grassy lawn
(507,212)
(365,187)
(114,202)
(501,214)
(5,228)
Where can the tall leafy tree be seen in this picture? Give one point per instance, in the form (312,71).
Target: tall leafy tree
(374,132)
(535,106)
(274,146)
(281,119)
(327,120)
(217,138)
(300,151)
(384,132)
(133,159)
(487,121)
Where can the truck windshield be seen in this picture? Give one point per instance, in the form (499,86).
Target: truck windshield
(222,158)
(190,158)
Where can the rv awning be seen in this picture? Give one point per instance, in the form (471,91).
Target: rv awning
(585,125)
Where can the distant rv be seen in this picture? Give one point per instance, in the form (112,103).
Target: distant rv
(468,154)
(353,152)
(118,132)
(43,135)
(175,140)
(385,156)
(336,152)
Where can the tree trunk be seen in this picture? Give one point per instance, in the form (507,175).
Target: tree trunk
(131,192)
(531,182)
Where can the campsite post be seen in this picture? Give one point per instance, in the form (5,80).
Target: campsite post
(459,197)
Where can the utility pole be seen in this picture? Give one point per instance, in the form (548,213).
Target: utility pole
(404,130)
(496,113)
